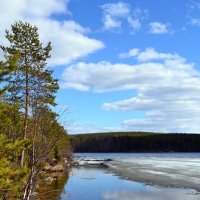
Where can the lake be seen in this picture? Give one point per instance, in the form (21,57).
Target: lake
(102,183)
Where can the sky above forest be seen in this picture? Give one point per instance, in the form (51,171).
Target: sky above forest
(129,65)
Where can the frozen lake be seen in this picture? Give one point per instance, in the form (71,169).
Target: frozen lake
(136,177)
(100,184)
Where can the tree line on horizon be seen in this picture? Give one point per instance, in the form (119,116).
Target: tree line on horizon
(135,142)
(30,134)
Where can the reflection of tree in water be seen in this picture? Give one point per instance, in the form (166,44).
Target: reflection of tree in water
(53,190)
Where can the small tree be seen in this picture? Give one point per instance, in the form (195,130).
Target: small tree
(12,177)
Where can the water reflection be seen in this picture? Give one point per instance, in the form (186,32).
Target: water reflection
(152,194)
(53,190)
(100,184)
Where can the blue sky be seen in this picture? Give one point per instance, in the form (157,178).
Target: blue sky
(122,65)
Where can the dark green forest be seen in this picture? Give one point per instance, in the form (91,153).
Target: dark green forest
(135,142)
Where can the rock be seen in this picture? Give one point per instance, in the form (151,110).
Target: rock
(34,194)
(47,167)
(56,168)
(49,179)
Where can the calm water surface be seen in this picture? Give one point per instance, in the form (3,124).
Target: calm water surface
(102,184)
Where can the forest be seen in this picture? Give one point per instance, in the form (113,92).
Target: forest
(135,142)
(30,134)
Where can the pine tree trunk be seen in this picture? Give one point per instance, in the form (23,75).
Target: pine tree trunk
(30,184)
(25,116)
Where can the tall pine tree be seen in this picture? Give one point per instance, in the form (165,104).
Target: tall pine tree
(31,85)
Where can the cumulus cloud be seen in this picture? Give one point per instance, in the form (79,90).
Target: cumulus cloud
(149,54)
(105,76)
(119,9)
(101,77)
(132,53)
(159,28)
(110,23)
(135,20)
(69,39)
(167,89)
(115,14)
(112,13)
(135,24)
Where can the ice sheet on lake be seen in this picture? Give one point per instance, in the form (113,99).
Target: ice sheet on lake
(175,172)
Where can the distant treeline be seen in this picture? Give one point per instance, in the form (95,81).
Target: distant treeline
(136,142)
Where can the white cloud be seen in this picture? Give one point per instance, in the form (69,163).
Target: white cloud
(100,77)
(134,103)
(193,15)
(151,54)
(110,22)
(114,14)
(105,76)
(195,21)
(119,9)
(132,53)
(159,28)
(135,24)
(167,91)
(69,39)
(135,20)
